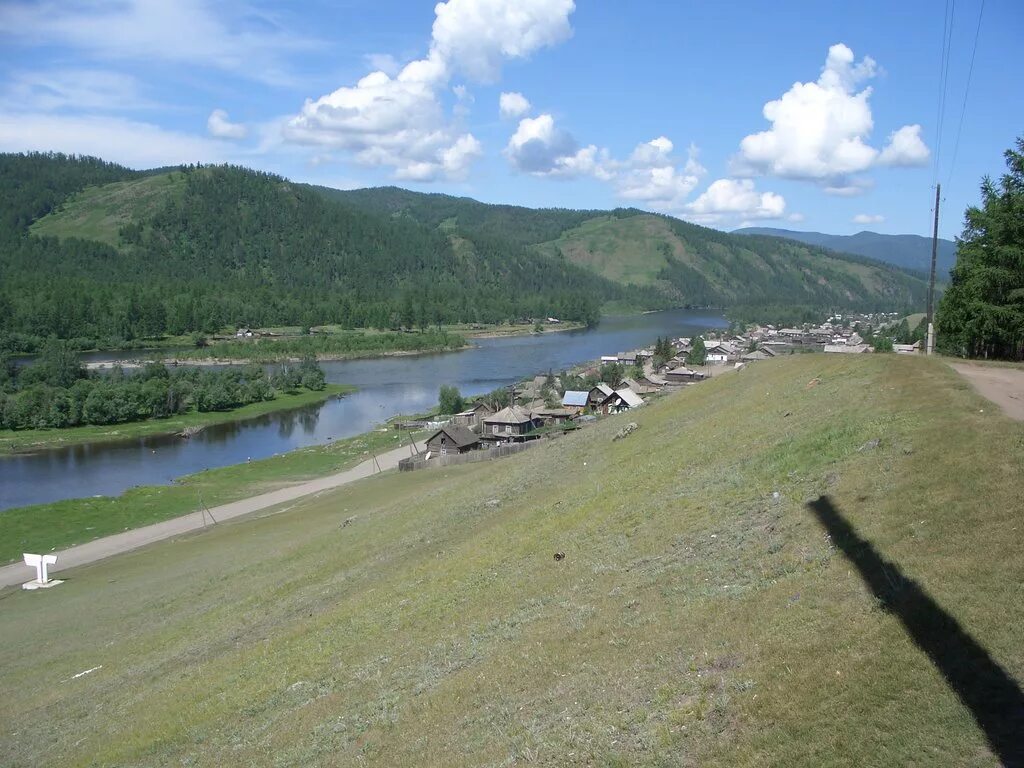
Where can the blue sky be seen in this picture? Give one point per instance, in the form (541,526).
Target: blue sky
(818,116)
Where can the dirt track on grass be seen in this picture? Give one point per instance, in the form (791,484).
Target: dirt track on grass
(1003,386)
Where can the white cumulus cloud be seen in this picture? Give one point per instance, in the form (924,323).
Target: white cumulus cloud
(398,120)
(650,175)
(905,148)
(477,35)
(820,130)
(728,199)
(221,127)
(541,148)
(512,105)
(868,218)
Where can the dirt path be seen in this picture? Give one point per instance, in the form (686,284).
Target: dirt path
(1003,386)
(17,573)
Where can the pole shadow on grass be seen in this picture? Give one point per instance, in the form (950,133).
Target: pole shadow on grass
(993,697)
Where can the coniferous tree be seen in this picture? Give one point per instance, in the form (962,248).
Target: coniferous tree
(982,312)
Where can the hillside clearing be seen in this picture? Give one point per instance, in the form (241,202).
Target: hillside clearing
(701,615)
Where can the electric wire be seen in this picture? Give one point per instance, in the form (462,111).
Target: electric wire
(967,90)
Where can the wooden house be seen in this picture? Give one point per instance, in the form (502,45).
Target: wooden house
(452,438)
(550,417)
(472,418)
(599,394)
(510,424)
(642,385)
(575,400)
(682,375)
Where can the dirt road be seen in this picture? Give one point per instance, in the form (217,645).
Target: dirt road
(1003,386)
(17,573)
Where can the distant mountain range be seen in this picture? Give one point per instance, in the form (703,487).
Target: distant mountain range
(904,251)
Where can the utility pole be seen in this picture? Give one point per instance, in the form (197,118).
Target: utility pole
(931,282)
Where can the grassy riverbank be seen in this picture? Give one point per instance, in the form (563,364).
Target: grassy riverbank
(343,345)
(73,521)
(703,614)
(28,440)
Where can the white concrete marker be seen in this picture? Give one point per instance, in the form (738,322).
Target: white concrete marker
(39,562)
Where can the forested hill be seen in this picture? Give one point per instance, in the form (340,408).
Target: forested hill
(91,250)
(906,251)
(682,262)
(100,253)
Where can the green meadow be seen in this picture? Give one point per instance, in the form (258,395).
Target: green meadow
(702,614)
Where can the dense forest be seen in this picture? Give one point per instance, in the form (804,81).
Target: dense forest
(982,313)
(226,246)
(664,258)
(57,391)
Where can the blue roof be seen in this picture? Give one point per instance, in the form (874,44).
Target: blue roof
(575,398)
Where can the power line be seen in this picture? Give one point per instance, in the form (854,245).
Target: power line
(947,45)
(967,89)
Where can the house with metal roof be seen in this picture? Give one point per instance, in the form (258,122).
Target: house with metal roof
(574,399)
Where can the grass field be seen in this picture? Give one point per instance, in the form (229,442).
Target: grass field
(630,251)
(65,523)
(27,440)
(98,213)
(701,616)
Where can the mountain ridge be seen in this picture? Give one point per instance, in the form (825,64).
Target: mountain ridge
(911,252)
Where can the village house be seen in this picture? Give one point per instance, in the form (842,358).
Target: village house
(619,401)
(452,438)
(642,385)
(575,400)
(510,424)
(550,417)
(683,375)
(472,417)
(719,352)
(599,394)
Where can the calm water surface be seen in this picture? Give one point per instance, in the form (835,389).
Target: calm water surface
(387,386)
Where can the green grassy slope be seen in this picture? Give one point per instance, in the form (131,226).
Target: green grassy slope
(98,213)
(633,250)
(698,265)
(697,618)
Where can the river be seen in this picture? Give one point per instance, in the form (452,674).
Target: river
(387,386)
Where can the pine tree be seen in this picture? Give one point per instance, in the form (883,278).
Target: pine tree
(982,313)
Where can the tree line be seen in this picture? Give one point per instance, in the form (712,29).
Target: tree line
(982,312)
(57,391)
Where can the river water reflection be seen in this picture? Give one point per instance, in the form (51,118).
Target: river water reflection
(387,386)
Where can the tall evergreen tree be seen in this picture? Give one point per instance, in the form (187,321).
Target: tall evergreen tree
(982,313)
